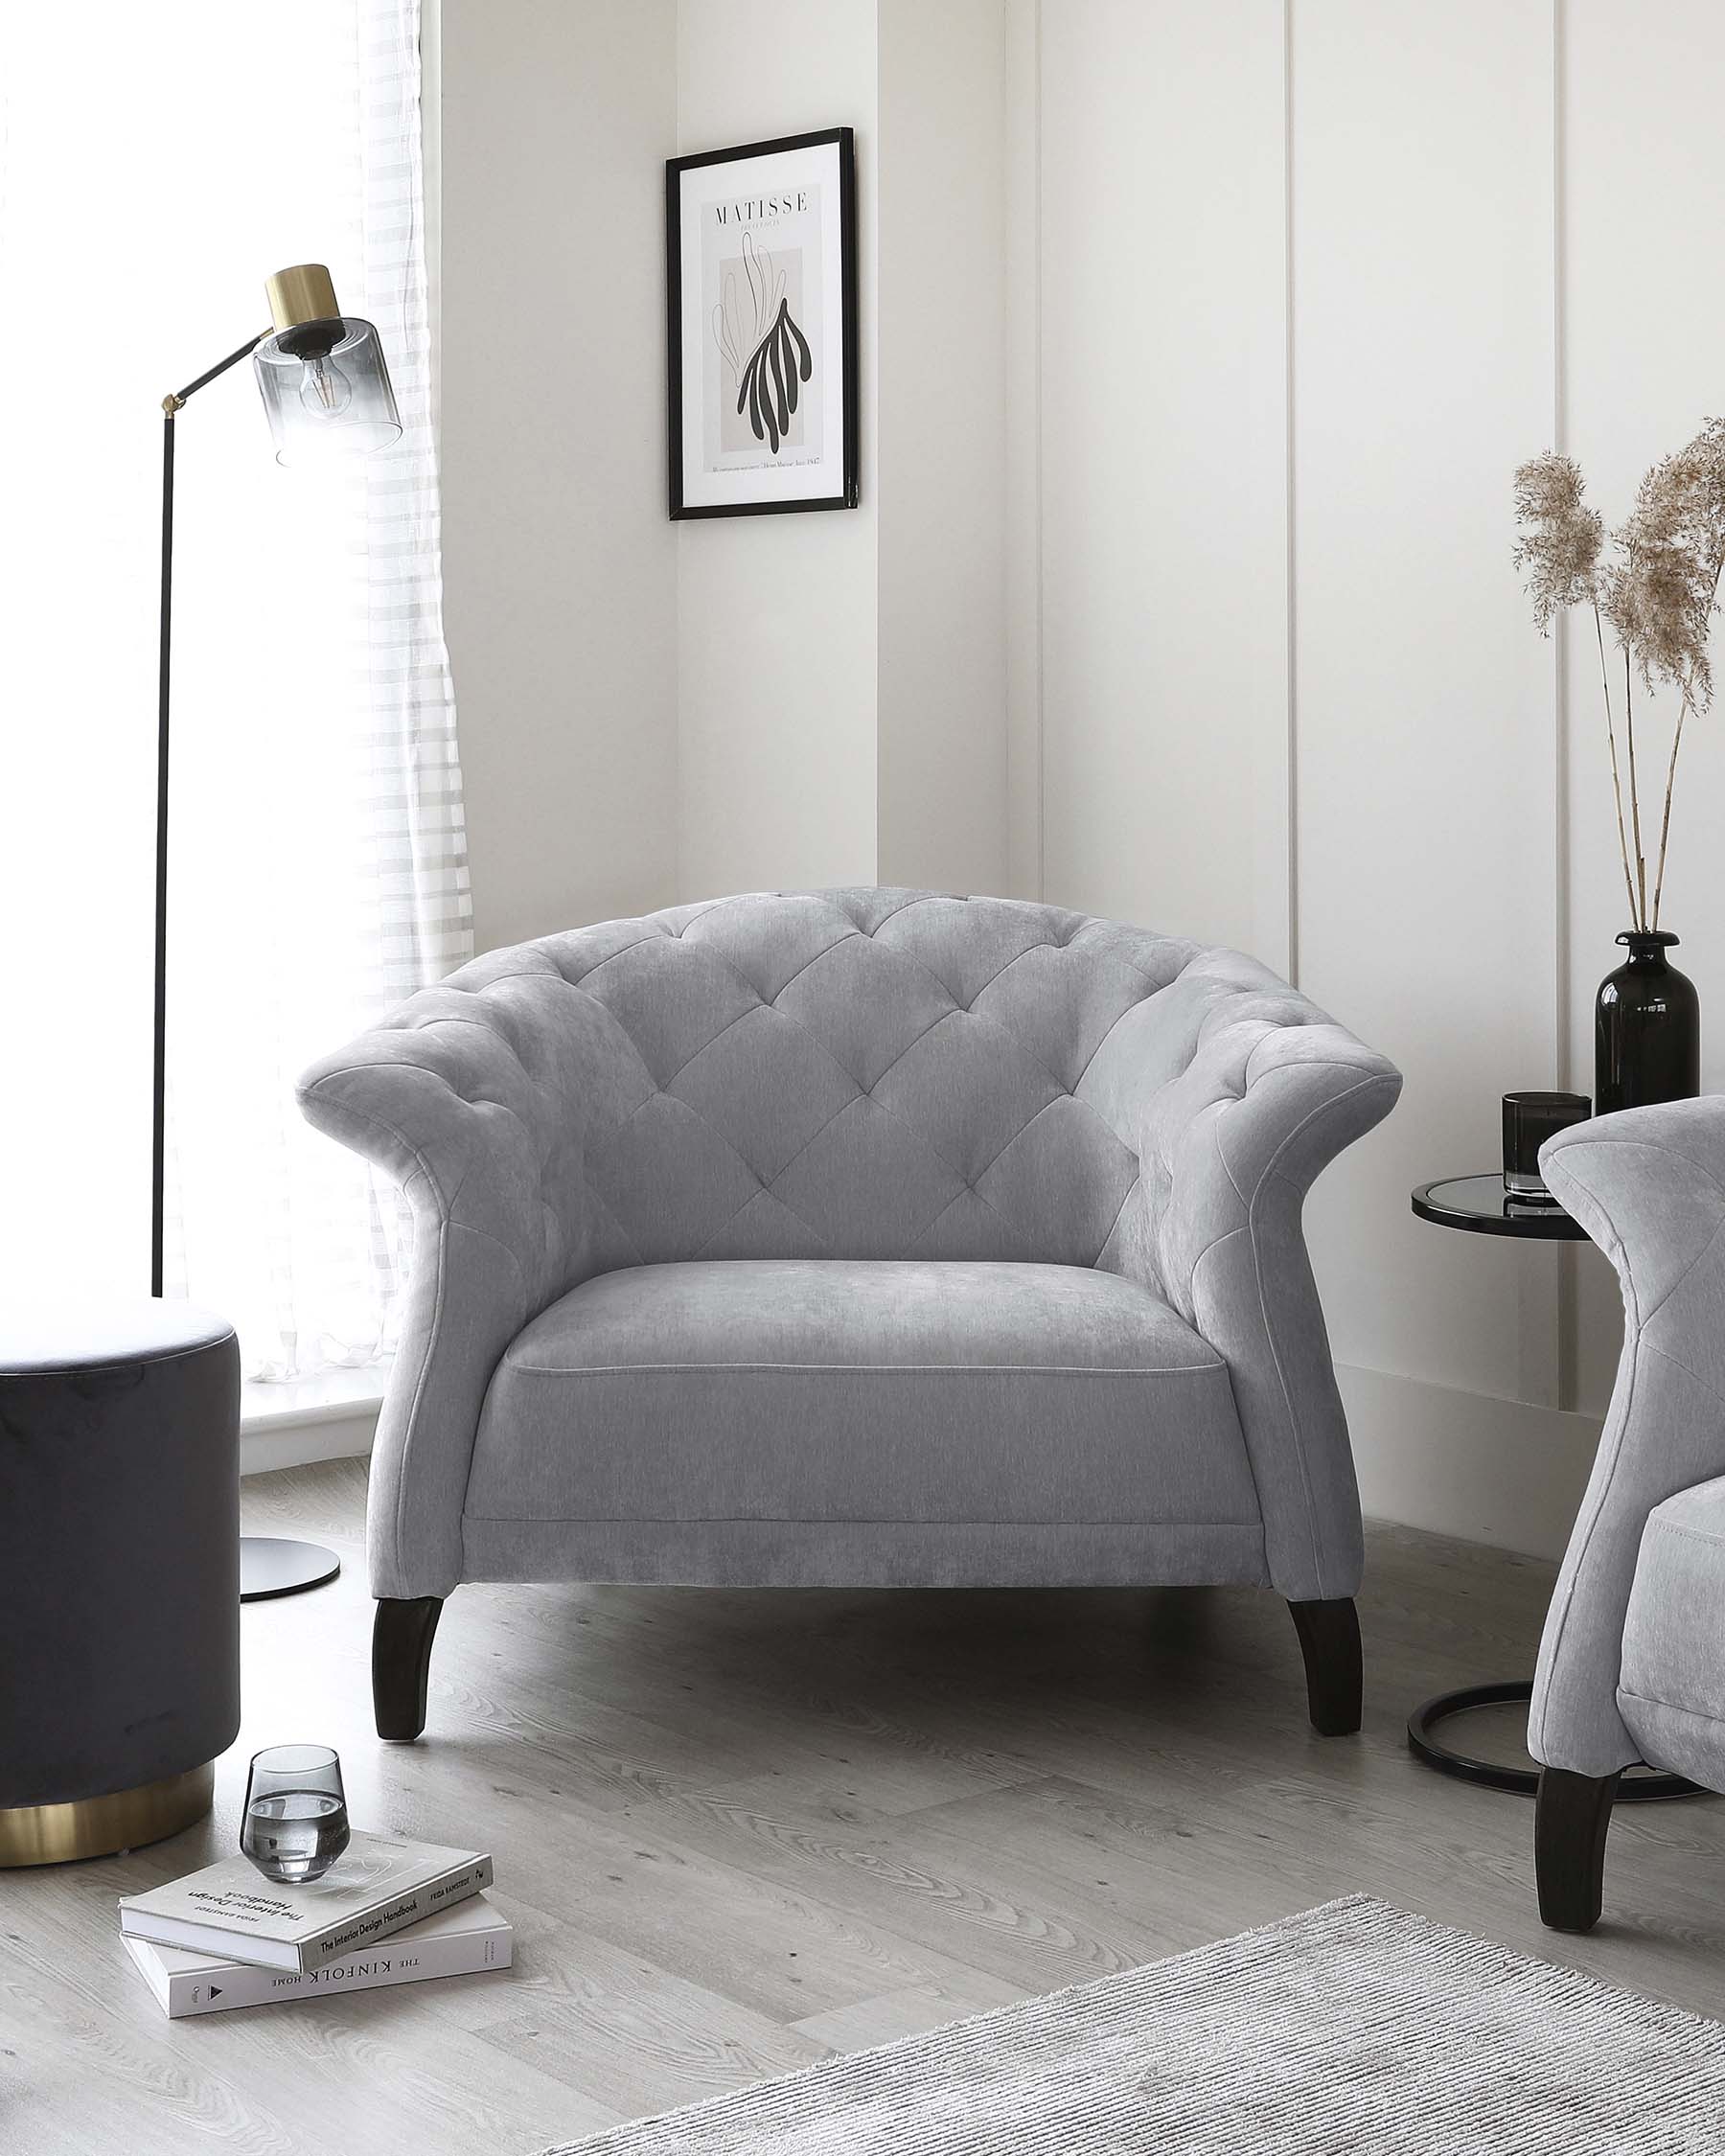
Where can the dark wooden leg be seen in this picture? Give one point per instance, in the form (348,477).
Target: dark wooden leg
(1571,1818)
(401,1636)
(1329,1638)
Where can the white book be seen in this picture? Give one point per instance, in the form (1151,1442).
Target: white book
(458,1942)
(377,1887)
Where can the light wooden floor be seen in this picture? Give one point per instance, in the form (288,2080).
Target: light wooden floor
(737,1831)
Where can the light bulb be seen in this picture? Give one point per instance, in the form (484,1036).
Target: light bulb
(325,391)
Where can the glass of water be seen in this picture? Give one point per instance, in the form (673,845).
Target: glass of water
(296,1821)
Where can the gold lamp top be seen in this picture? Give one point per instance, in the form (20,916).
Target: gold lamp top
(303,294)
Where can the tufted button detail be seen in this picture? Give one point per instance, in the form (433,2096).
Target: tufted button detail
(862,1073)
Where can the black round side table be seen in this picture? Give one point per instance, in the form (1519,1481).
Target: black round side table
(1481,1206)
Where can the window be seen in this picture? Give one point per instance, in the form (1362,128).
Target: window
(318,846)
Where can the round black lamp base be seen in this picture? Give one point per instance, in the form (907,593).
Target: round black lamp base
(270,1566)
(1637,1786)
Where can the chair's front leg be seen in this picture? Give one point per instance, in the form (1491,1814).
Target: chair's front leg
(401,1636)
(1571,1819)
(1329,1639)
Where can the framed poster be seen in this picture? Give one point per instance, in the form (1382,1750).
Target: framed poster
(761,326)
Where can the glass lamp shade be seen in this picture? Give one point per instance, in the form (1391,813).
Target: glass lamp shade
(326,389)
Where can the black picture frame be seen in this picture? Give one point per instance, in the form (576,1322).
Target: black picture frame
(843,141)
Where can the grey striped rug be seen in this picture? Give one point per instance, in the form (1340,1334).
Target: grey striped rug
(1352,2030)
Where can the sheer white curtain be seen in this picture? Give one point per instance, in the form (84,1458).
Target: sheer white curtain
(148,183)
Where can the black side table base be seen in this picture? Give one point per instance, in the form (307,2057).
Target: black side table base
(1431,1751)
(270,1567)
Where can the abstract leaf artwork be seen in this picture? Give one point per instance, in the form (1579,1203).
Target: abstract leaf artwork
(778,359)
(761,315)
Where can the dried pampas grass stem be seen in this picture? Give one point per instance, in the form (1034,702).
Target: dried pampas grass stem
(1655,581)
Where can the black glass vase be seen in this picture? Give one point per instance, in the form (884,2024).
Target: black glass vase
(1646,1028)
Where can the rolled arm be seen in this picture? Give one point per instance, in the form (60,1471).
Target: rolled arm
(1272,1091)
(466,1098)
(1648,1185)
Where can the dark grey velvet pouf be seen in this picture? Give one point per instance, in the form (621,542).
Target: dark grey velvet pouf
(119,1572)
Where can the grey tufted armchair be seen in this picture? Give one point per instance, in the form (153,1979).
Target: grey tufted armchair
(859,1237)
(1632,1665)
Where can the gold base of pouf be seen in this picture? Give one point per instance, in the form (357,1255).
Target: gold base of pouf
(98,1826)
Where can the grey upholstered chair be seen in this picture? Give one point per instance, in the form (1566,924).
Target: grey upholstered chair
(861,1237)
(1632,1666)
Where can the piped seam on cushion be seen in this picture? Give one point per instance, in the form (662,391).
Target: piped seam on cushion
(837,1519)
(868,1369)
(1683,1527)
(1671,1706)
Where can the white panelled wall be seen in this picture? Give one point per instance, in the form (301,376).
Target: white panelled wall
(778,617)
(653,711)
(1420,162)
(1199,345)
(1162,454)
(559,566)
(840,676)
(1308,279)
(1644,306)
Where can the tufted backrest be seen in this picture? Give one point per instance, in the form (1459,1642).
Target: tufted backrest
(863,1074)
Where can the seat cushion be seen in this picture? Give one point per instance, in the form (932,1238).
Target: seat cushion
(1673,1688)
(840,1390)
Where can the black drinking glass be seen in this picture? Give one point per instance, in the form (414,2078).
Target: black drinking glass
(1528,1120)
(296,1819)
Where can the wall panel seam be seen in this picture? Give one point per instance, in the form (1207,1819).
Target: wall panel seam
(1292,660)
(1567,1344)
(1036,392)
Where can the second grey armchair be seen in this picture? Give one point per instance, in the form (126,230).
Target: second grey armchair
(1632,1665)
(861,1237)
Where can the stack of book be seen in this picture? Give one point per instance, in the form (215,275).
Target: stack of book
(387,1912)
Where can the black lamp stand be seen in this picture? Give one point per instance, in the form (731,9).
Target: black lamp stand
(268,1566)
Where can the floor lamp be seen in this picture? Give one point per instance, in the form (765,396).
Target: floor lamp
(326,391)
